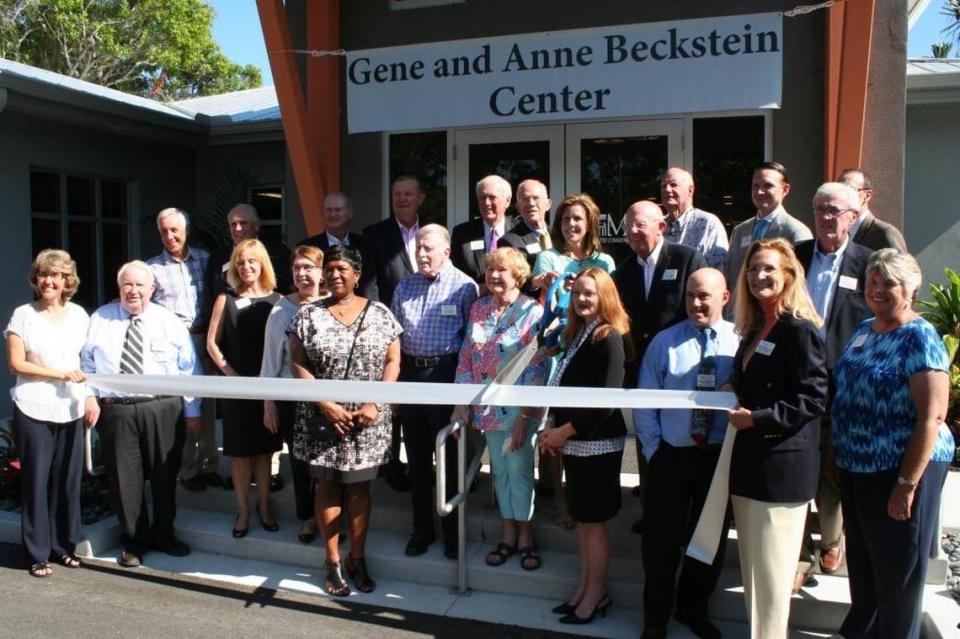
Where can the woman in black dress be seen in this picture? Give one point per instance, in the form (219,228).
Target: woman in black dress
(591,439)
(235,344)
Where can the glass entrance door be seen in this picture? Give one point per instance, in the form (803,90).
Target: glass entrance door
(618,163)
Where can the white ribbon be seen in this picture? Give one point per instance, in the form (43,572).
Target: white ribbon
(303,390)
(706,538)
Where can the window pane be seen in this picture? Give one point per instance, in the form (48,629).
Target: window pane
(80,197)
(82,245)
(114,256)
(617,172)
(725,152)
(425,156)
(513,161)
(271,233)
(44,192)
(45,234)
(113,196)
(269,202)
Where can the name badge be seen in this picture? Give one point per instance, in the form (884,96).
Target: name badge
(533,248)
(225,267)
(448,310)
(765,347)
(243,302)
(847,282)
(477,245)
(745,242)
(860,341)
(669,274)
(706,381)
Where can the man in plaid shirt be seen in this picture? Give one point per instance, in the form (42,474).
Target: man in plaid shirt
(433,307)
(180,275)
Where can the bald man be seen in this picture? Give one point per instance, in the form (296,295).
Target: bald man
(688,225)
(682,448)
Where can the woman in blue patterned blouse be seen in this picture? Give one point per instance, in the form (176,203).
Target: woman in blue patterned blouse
(892,450)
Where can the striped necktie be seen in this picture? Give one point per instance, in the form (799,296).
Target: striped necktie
(131,360)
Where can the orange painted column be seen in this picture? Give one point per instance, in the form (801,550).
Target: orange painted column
(305,156)
(849,39)
(323,87)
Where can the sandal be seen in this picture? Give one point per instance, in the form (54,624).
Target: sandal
(499,555)
(334,584)
(357,571)
(70,561)
(529,558)
(41,570)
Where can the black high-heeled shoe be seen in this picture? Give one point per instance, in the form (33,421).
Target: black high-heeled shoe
(269,527)
(563,609)
(334,583)
(357,571)
(601,609)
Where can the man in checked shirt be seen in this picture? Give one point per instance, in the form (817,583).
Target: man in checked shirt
(181,288)
(433,306)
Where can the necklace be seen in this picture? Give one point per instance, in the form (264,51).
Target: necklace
(341,307)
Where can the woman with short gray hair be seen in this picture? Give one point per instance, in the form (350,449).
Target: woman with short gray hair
(892,450)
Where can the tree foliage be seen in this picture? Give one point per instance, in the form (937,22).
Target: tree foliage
(951,9)
(155,48)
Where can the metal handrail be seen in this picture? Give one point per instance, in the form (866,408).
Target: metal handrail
(88,454)
(465,478)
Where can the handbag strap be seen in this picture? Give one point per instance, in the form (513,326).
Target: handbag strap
(363,314)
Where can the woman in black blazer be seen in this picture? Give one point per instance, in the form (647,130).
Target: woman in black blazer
(780,379)
(591,439)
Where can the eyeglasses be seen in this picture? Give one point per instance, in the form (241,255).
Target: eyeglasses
(830,211)
(304,267)
(57,275)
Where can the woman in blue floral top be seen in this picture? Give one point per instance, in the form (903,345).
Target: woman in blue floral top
(892,450)
(501,325)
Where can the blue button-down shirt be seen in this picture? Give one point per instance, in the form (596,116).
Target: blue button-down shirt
(671,362)
(180,286)
(822,280)
(434,313)
(168,349)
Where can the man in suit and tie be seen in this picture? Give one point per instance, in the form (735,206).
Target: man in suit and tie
(337,213)
(389,255)
(652,285)
(770,186)
(835,268)
(471,241)
(868,230)
(531,234)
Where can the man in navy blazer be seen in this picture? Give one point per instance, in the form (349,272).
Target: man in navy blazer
(652,284)
(471,241)
(836,269)
(389,255)
(530,235)
(337,212)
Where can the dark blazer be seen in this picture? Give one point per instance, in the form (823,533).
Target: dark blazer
(876,234)
(321,242)
(848,308)
(470,260)
(665,304)
(527,241)
(385,261)
(598,365)
(778,460)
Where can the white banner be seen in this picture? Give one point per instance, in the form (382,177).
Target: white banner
(407,392)
(682,66)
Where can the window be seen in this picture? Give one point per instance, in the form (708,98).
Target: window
(86,217)
(425,156)
(268,201)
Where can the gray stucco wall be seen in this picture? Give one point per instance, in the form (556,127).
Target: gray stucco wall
(932,227)
(158,175)
(798,126)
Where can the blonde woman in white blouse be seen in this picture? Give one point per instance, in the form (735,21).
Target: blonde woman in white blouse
(44,339)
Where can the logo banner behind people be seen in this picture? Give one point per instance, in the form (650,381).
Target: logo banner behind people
(682,66)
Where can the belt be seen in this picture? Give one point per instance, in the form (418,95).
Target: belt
(428,362)
(139,399)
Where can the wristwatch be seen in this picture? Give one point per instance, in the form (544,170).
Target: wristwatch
(903,481)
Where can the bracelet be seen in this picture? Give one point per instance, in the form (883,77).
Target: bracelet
(903,481)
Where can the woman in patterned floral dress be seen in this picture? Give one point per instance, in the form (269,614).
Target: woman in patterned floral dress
(502,324)
(344,337)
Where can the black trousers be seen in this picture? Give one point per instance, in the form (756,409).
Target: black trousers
(51,458)
(678,479)
(143,442)
(421,423)
(887,558)
(299,468)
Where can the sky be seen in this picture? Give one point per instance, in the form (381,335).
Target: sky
(237,30)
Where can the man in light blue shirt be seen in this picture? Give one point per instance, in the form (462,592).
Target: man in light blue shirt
(682,448)
(142,435)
